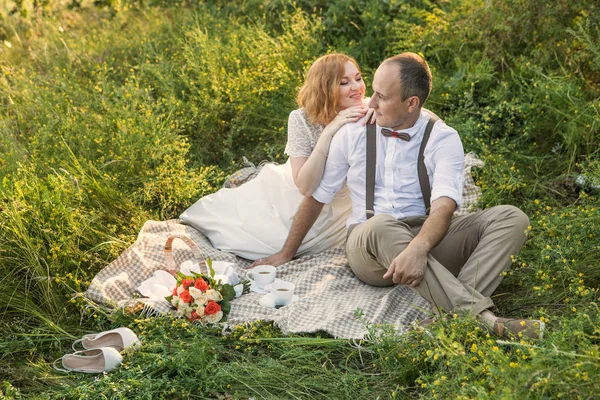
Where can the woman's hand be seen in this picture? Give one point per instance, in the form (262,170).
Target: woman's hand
(369,114)
(350,114)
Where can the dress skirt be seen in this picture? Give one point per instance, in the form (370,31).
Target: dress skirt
(253,220)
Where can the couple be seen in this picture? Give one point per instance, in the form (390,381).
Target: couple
(453,262)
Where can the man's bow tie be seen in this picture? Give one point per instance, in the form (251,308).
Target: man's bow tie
(400,135)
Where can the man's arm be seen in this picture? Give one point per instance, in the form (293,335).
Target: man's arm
(409,266)
(307,214)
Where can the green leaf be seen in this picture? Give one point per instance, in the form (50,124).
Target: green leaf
(225,306)
(228,292)
(210,268)
(180,276)
(197,275)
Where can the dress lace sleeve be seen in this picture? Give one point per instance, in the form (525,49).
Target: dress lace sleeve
(302,135)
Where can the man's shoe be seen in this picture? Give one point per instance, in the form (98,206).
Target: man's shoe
(529,328)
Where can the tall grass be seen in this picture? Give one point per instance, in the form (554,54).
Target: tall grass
(128,111)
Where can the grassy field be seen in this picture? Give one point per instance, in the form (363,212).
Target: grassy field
(123,111)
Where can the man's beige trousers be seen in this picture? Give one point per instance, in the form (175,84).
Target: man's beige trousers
(462,271)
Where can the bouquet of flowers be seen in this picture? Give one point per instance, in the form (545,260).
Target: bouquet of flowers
(200,297)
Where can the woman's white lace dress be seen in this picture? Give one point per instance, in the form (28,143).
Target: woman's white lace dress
(253,220)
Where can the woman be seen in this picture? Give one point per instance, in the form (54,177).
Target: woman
(253,220)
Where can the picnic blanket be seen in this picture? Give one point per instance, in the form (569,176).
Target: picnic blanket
(328,292)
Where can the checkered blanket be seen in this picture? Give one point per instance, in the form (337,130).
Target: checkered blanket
(328,292)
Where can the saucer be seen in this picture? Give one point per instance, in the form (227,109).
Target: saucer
(266,289)
(267,301)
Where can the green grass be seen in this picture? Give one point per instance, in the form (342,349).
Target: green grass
(128,111)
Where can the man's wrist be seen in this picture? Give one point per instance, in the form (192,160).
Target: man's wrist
(288,254)
(420,245)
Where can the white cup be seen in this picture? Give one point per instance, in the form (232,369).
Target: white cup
(262,275)
(282,292)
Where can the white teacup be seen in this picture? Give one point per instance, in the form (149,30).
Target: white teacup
(282,292)
(262,275)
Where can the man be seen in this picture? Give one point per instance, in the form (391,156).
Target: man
(454,262)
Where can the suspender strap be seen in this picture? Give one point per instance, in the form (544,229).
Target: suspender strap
(371,161)
(421,169)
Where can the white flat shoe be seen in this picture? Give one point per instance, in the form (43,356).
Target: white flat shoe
(119,339)
(90,361)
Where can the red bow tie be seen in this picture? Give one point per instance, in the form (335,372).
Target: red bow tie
(399,135)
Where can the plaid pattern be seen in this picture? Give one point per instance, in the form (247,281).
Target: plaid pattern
(328,291)
(471,192)
(243,175)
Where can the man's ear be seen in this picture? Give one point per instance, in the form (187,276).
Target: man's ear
(413,104)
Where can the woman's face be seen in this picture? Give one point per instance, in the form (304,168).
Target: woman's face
(352,88)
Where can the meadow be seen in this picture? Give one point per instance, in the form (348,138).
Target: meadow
(114,112)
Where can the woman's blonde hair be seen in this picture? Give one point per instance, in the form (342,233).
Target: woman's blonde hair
(320,93)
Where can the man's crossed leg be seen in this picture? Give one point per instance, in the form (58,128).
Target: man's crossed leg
(462,271)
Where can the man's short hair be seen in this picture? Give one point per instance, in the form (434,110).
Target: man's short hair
(415,75)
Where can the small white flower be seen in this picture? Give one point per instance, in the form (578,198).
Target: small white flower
(175,301)
(213,294)
(214,318)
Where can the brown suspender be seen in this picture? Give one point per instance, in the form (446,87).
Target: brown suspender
(371,159)
(421,169)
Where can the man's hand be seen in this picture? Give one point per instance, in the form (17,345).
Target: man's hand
(275,260)
(408,268)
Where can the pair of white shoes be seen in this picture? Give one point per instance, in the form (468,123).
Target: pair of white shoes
(101,351)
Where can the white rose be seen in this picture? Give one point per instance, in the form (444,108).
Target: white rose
(195,292)
(214,318)
(175,301)
(200,310)
(188,312)
(180,289)
(183,305)
(213,294)
(201,299)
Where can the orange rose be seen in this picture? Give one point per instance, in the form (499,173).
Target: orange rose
(187,283)
(201,285)
(212,308)
(186,297)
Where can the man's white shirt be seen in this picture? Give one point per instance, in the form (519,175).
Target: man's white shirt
(397,188)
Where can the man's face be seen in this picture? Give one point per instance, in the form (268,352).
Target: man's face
(391,111)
